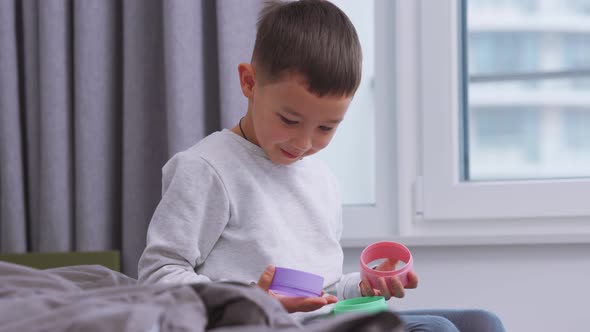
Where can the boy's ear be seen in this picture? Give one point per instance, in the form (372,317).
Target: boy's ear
(247,79)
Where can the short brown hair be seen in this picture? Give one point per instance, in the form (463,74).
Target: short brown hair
(309,37)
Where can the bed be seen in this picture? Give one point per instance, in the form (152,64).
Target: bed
(81,297)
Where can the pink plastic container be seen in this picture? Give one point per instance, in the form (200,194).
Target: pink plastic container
(391,250)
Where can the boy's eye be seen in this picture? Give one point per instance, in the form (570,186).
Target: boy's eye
(325,128)
(287,121)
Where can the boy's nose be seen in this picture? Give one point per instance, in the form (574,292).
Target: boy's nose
(302,143)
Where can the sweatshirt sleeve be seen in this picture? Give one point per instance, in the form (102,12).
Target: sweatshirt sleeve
(188,221)
(348,285)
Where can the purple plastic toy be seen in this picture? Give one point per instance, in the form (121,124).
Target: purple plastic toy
(296,283)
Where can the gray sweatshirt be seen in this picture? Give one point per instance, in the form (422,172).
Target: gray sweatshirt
(227,212)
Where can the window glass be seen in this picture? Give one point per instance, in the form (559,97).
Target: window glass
(527,100)
(351,155)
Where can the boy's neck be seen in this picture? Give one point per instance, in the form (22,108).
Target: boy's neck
(243,129)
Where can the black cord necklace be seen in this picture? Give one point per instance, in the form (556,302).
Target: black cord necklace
(242,130)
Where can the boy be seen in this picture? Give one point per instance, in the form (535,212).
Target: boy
(243,199)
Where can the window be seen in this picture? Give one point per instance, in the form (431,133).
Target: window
(575,126)
(360,154)
(491,122)
(522,76)
(478,127)
(351,155)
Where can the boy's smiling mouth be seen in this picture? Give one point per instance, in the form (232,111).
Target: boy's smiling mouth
(289,155)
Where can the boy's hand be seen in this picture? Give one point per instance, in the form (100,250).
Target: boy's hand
(388,287)
(293,304)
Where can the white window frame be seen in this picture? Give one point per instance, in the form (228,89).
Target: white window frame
(445,195)
(420,198)
(366,222)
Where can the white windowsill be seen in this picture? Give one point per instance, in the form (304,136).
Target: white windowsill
(476,240)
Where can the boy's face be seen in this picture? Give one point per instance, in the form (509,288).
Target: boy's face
(289,122)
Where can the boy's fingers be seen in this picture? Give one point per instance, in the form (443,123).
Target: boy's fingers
(366,288)
(303,304)
(412,280)
(331,298)
(266,277)
(387,265)
(385,292)
(397,288)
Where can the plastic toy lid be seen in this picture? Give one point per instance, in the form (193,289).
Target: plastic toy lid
(361,304)
(291,282)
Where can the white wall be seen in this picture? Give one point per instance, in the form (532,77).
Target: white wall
(530,287)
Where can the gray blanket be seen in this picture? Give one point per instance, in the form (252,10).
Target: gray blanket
(94,298)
